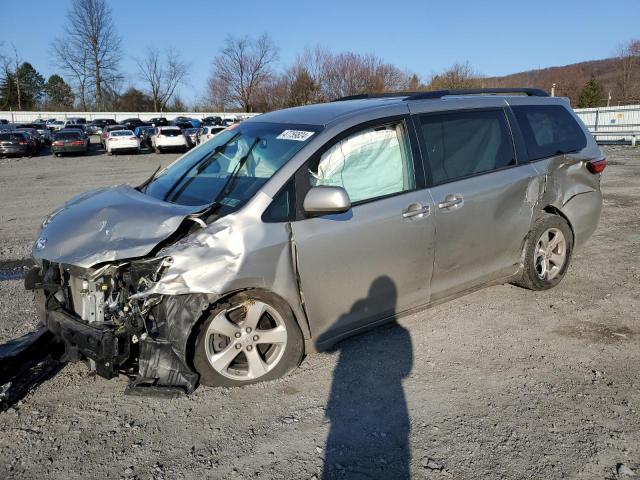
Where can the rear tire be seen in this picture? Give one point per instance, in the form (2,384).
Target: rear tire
(250,337)
(547,253)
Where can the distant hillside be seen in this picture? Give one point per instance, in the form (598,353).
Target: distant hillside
(569,79)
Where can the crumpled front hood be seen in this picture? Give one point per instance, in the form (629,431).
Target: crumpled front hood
(108,224)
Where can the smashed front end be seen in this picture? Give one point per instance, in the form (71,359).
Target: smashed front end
(91,310)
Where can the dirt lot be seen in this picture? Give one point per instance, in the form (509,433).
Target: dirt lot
(503,383)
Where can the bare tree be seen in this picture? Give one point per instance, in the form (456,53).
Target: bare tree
(459,75)
(90,48)
(162,76)
(242,68)
(629,70)
(16,61)
(76,65)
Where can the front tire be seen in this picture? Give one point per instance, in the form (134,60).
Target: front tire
(251,337)
(547,253)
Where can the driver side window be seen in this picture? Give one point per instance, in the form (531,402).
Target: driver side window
(371,163)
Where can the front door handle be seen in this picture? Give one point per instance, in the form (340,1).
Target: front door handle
(451,201)
(416,209)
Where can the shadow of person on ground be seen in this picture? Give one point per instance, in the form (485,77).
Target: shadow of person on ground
(369,434)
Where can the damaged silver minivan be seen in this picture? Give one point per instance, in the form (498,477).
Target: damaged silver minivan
(270,240)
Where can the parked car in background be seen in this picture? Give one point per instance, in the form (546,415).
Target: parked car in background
(44,134)
(93,128)
(106,130)
(119,141)
(212,120)
(77,120)
(182,124)
(159,122)
(15,144)
(192,135)
(57,125)
(229,121)
(168,138)
(144,134)
(132,123)
(76,128)
(36,140)
(69,140)
(209,132)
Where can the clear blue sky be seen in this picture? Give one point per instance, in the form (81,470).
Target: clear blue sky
(496,37)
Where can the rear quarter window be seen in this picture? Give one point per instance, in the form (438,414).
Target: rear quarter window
(549,130)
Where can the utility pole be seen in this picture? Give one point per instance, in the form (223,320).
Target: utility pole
(553,89)
(609,98)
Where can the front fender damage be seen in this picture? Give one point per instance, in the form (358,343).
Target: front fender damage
(161,361)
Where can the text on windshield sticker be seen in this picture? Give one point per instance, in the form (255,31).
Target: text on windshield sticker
(297,135)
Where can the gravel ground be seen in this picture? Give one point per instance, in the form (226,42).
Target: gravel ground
(502,383)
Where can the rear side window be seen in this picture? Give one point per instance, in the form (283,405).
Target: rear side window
(549,130)
(462,144)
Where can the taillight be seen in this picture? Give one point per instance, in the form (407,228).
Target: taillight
(133,138)
(77,142)
(57,143)
(23,142)
(597,166)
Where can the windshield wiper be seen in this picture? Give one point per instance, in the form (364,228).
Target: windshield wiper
(199,166)
(231,181)
(148,180)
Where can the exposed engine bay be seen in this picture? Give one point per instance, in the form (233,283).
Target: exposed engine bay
(92,312)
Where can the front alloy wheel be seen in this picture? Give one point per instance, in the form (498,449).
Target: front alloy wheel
(247,340)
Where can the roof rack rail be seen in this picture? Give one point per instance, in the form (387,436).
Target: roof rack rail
(364,96)
(530,92)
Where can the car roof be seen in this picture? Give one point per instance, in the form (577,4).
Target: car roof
(326,113)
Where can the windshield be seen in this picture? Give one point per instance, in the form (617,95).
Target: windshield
(231,167)
(122,133)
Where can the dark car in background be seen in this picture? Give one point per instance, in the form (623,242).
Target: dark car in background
(69,141)
(35,139)
(144,134)
(132,123)
(212,121)
(182,125)
(192,135)
(97,125)
(159,122)
(15,144)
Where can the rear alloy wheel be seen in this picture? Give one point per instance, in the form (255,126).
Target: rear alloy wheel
(547,253)
(253,337)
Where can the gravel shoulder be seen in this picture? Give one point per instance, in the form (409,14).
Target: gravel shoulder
(502,383)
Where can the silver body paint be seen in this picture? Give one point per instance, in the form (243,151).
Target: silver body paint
(321,266)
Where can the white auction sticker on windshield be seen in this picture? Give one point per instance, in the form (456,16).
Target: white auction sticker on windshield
(297,135)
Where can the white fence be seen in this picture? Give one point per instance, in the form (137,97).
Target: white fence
(24,117)
(612,120)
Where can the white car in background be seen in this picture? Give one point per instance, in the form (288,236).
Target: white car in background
(210,131)
(120,141)
(57,125)
(168,138)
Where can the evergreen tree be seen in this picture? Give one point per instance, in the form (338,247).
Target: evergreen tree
(59,95)
(591,95)
(25,80)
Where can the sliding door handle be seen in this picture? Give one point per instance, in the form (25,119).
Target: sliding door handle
(451,201)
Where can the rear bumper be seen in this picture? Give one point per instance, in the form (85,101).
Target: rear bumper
(108,348)
(69,149)
(11,150)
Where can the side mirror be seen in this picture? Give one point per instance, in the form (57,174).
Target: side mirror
(326,200)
